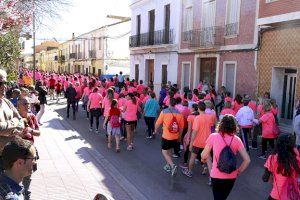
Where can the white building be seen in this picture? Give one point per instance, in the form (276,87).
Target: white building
(154,41)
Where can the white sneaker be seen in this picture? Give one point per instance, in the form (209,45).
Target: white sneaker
(91,129)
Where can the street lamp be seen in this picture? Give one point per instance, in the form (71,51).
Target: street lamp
(33,37)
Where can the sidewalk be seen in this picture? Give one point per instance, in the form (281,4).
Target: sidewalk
(69,169)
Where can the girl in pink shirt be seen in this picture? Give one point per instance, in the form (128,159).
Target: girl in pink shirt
(94,105)
(85,97)
(222,182)
(121,104)
(269,131)
(106,104)
(283,165)
(187,137)
(130,116)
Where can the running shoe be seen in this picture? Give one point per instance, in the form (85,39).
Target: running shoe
(187,172)
(149,137)
(91,129)
(167,168)
(173,170)
(175,155)
(262,156)
(254,148)
(183,165)
(209,181)
(97,131)
(204,172)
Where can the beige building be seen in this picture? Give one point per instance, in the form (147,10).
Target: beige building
(100,51)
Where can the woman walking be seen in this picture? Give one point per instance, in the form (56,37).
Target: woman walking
(225,136)
(151,112)
(283,165)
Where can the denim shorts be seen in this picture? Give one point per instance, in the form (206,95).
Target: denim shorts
(113,131)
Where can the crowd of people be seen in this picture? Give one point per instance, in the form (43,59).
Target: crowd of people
(200,124)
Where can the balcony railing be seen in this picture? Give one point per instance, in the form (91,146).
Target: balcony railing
(164,36)
(209,37)
(231,29)
(79,56)
(92,54)
(72,55)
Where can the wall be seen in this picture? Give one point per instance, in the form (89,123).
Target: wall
(278,7)
(158,5)
(280,48)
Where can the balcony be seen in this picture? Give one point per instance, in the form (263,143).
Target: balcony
(92,54)
(72,55)
(210,37)
(79,56)
(61,59)
(152,38)
(231,29)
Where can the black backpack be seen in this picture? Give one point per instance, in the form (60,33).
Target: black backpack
(227,159)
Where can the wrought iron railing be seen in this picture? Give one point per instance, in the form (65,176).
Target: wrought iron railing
(92,54)
(72,55)
(231,29)
(164,36)
(208,37)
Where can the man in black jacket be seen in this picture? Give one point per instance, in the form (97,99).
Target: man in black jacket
(42,98)
(70,95)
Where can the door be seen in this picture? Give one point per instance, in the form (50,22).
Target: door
(150,71)
(288,96)
(164,74)
(137,71)
(186,71)
(94,70)
(229,76)
(99,72)
(86,71)
(208,70)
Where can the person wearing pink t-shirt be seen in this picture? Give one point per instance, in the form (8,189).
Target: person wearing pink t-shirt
(140,87)
(78,95)
(269,131)
(282,169)
(222,182)
(94,105)
(237,103)
(226,110)
(130,116)
(106,104)
(131,89)
(85,97)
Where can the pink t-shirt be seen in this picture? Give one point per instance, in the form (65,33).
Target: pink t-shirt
(130,113)
(227,111)
(140,88)
(268,125)
(217,144)
(106,104)
(167,100)
(228,99)
(278,179)
(87,91)
(253,106)
(95,99)
(195,98)
(237,106)
(131,90)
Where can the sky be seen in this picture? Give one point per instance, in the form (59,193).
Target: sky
(81,17)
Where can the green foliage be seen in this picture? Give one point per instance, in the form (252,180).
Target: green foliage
(10,50)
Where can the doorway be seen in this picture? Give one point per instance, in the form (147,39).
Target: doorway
(288,93)
(149,71)
(208,70)
(229,77)
(164,74)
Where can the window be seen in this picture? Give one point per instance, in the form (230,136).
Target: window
(187,23)
(270,1)
(232,17)
(100,43)
(185,76)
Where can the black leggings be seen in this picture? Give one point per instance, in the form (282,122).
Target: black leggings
(95,113)
(222,188)
(264,144)
(150,122)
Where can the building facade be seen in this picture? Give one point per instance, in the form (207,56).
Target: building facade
(278,60)
(218,43)
(154,41)
(100,51)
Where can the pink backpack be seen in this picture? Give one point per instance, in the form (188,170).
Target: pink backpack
(114,121)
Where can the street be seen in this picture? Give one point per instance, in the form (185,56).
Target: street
(139,173)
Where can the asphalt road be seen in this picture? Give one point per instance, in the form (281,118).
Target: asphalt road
(143,166)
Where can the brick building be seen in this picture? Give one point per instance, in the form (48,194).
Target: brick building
(278,59)
(218,43)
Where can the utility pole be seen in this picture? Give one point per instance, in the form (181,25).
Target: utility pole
(33,37)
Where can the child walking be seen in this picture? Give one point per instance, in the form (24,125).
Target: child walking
(113,125)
